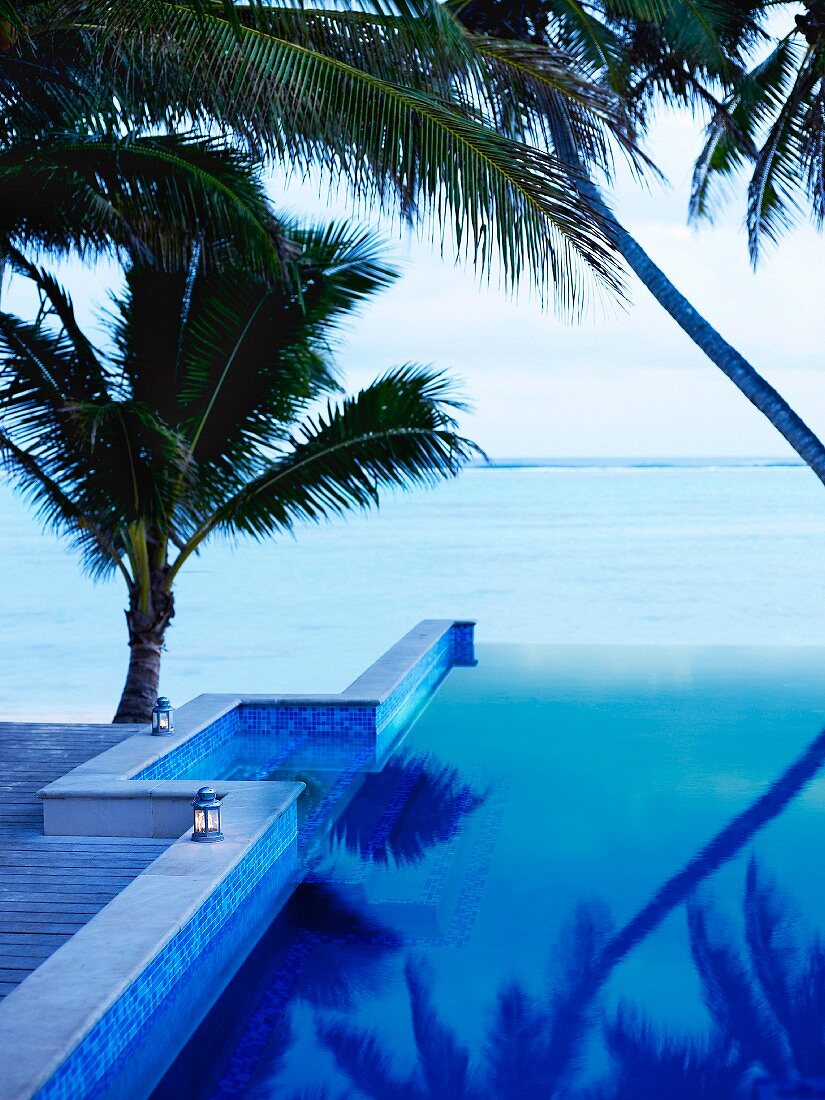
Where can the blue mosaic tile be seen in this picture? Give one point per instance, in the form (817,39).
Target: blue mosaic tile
(322,722)
(115,1036)
(326,732)
(463,635)
(195,750)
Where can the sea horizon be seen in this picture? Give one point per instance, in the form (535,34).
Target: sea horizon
(653,462)
(538,551)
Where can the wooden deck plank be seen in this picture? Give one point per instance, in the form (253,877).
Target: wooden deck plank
(51,939)
(23,950)
(51,886)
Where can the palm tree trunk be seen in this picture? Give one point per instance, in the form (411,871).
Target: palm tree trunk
(744,376)
(147,629)
(142,680)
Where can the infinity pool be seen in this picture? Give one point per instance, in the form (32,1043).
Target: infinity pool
(497,911)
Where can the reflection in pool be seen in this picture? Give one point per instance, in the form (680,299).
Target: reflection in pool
(584,872)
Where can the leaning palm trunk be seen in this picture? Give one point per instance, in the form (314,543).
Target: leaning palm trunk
(732,364)
(745,377)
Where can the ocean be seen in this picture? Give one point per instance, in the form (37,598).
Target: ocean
(580,552)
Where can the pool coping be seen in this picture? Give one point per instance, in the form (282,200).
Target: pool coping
(46,1018)
(101,797)
(62,1029)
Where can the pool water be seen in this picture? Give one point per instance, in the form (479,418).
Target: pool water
(484,914)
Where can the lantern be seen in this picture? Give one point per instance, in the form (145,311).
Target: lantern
(207,811)
(163,717)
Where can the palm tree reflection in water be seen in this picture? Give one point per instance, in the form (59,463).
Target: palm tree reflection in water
(533,1048)
(766,1000)
(767,1006)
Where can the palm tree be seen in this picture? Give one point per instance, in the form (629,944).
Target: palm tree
(680,52)
(772,122)
(766,1013)
(427,120)
(395,105)
(203,418)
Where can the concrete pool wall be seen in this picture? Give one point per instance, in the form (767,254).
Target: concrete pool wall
(106,1014)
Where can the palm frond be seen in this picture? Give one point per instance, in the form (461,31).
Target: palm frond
(548,92)
(499,201)
(768,942)
(646,1062)
(580,31)
(733,1002)
(100,554)
(144,196)
(574,990)
(774,120)
(12,16)
(517,1046)
(231,359)
(56,301)
(396,432)
(777,187)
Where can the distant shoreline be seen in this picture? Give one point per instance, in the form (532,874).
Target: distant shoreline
(597,463)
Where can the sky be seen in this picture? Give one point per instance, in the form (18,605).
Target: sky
(628,381)
(624,381)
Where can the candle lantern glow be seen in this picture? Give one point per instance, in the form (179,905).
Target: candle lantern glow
(163,717)
(207,815)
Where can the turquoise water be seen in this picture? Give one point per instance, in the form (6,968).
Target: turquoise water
(593,555)
(469,925)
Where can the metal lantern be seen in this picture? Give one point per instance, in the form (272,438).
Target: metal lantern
(207,811)
(163,717)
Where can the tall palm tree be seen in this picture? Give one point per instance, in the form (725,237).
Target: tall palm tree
(204,417)
(674,51)
(396,105)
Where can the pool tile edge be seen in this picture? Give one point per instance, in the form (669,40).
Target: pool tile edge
(61,1009)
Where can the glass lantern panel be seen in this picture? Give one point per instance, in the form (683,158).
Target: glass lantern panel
(213,820)
(163,721)
(200,821)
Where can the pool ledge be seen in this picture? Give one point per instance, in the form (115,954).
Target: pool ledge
(64,1004)
(130,789)
(96,1016)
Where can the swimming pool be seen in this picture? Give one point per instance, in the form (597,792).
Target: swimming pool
(497,908)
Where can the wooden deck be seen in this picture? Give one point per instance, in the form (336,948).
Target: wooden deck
(51,886)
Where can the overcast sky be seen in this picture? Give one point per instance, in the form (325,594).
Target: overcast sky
(628,383)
